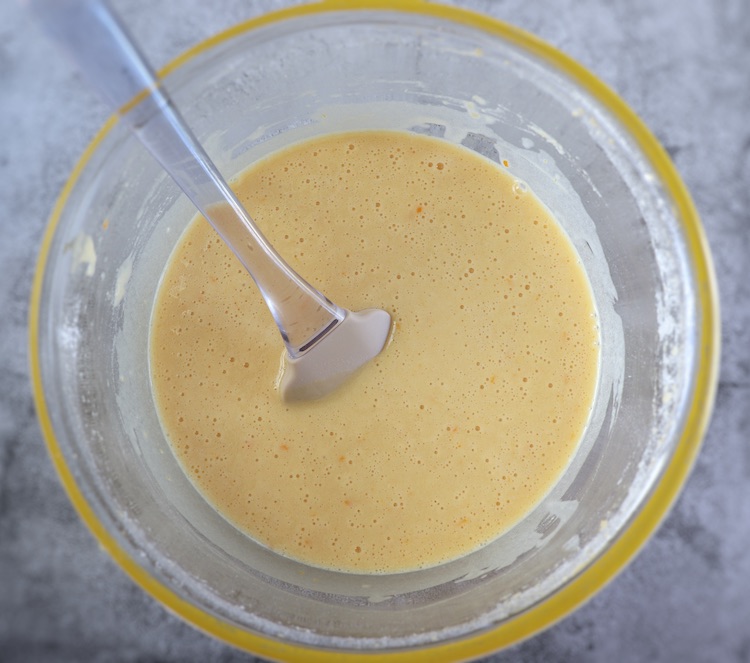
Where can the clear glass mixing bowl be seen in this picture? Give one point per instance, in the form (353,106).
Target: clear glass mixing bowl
(419,67)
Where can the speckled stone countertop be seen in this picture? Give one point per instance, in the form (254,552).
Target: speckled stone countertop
(683,66)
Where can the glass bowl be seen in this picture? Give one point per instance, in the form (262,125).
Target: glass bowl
(431,69)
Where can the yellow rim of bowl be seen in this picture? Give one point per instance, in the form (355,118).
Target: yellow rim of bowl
(643,524)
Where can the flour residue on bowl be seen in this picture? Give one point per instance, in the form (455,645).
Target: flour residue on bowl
(124,272)
(448,438)
(84,253)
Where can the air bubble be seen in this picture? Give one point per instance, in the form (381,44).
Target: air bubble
(520,187)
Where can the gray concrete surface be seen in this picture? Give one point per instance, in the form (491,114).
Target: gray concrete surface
(683,66)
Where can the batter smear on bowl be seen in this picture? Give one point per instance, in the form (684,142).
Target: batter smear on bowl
(456,430)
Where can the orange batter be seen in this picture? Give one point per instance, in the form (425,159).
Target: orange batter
(461,425)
